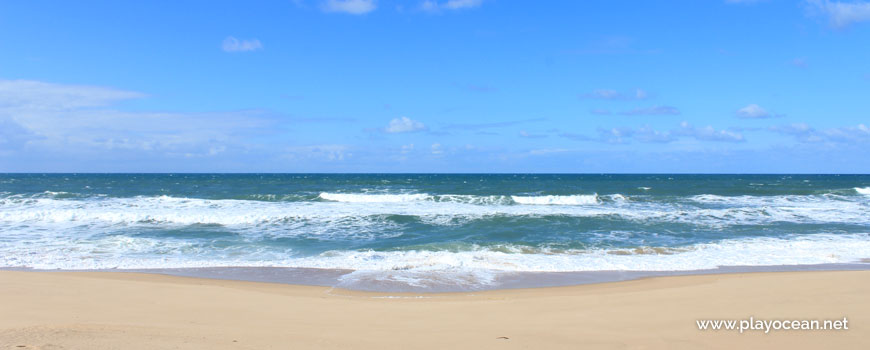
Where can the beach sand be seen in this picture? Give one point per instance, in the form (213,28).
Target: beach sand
(116,310)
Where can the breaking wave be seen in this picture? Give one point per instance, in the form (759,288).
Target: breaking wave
(470,199)
(373,198)
(477,265)
(375,209)
(557,200)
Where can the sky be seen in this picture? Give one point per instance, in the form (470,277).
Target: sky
(447,86)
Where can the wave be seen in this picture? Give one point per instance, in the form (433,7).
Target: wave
(863,190)
(557,200)
(374,198)
(476,265)
(364,211)
(783,200)
(47,194)
(796,250)
(470,199)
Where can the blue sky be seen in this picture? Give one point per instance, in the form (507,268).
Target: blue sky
(435,86)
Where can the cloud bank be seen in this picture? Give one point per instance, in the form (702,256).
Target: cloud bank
(61,118)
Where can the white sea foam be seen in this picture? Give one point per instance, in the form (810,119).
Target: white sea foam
(557,200)
(863,190)
(422,268)
(616,197)
(374,198)
(469,199)
(797,250)
(784,200)
(332,217)
(472,199)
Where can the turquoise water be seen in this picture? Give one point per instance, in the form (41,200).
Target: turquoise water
(467,229)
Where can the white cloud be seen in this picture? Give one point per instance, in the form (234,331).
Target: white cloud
(36,95)
(604,94)
(435,6)
(318,152)
(231,44)
(58,118)
(643,134)
(655,110)
(461,4)
(404,124)
(799,62)
(742,1)
(548,151)
(354,7)
(13,136)
(437,149)
(575,137)
(753,111)
(526,134)
(647,134)
(842,14)
(708,133)
(858,134)
(481,126)
(610,94)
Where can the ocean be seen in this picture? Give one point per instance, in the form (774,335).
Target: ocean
(431,231)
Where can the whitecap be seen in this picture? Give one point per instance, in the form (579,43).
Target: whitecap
(584,199)
(374,198)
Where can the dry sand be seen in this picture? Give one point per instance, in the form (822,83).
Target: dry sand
(106,310)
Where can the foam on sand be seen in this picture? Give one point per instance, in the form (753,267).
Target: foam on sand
(477,265)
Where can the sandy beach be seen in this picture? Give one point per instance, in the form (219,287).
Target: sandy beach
(108,310)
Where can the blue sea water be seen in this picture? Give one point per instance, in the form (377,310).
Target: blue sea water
(414,229)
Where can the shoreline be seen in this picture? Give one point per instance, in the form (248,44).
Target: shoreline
(105,310)
(505,280)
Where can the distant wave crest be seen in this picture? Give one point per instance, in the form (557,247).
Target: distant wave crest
(373,198)
(368,212)
(557,200)
(582,199)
